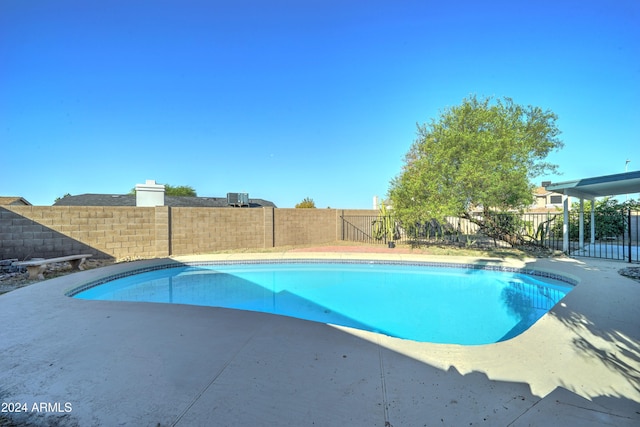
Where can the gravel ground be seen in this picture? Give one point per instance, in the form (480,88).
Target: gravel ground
(631,272)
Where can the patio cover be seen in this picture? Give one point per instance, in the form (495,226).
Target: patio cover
(590,188)
(599,186)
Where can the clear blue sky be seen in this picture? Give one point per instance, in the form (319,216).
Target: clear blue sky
(293,99)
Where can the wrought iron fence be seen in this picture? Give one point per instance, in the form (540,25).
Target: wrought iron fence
(535,227)
(616,235)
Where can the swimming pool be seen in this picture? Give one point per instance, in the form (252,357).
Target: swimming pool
(440,303)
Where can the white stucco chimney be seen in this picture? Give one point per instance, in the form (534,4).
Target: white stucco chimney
(150,194)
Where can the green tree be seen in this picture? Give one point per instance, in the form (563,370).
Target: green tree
(180,190)
(610,217)
(483,155)
(60,198)
(306,203)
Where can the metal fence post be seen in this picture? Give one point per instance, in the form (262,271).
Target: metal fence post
(629,232)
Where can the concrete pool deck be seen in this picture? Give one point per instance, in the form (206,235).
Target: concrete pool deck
(94,363)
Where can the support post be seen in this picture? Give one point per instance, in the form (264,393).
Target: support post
(593,221)
(629,233)
(340,224)
(162,231)
(269,224)
(581,225)
(565,224)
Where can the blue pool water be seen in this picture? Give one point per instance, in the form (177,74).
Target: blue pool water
(430,304)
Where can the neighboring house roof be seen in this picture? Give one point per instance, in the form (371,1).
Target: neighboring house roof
(13,201)
(173,201)
(543,201)
(541,192)
(546,209)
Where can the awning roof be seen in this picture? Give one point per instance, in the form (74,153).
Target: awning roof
(599,186)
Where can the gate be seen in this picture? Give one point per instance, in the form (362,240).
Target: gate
(616,236)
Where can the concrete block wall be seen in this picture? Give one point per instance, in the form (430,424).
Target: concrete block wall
(161,234)
(203,230)
(305,226)
(147,232)
(50,231)
(268,228)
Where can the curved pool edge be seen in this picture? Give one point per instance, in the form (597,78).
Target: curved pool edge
(566,348)
(525,263)
(462,263)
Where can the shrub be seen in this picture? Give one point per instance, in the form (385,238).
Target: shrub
(610,218)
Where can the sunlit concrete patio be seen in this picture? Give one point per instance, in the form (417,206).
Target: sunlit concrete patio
(115,363)
(610,251)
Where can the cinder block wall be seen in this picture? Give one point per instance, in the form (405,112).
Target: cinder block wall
(304,226)
(50,231)
(203,230)
(147,232)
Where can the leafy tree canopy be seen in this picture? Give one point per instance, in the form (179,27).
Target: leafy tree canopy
(306,203)
(610,218)
(483,153)
(60,198)
(180,190)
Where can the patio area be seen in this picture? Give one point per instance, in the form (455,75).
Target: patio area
(607,250)
(95,363)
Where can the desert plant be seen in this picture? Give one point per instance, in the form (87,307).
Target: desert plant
(384,226)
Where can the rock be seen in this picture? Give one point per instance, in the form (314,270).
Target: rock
(631,272)
(6,266)
(13,277)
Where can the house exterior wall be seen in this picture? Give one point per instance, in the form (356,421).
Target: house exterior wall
(147,232)
(543,200)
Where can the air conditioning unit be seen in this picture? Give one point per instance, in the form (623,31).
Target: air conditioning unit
(238,199)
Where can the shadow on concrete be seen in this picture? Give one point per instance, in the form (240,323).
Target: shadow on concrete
(175,365)
(620,351)
(606,332)
(35,240)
